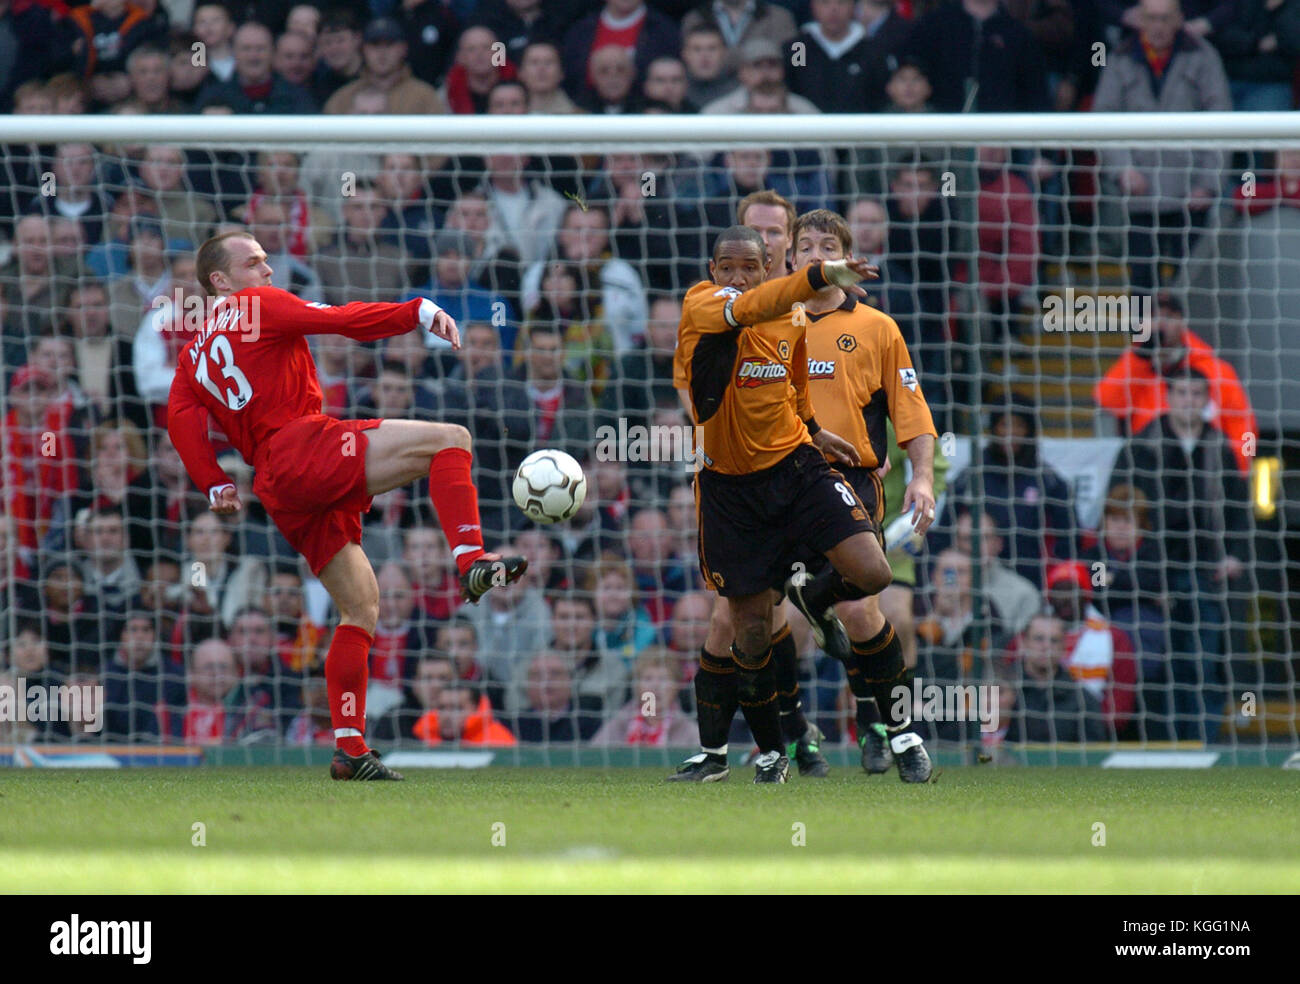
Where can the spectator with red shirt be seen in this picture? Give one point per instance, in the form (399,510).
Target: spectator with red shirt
(628,24)
(213,678)
(1098,655)
(143,697)
(267,695)
(1135,389)
(399,636)
(1008,238)
(41,459)
(480,64)
(458,638)
(653,716)
(255,87)
(298,639)
(433,574)
(561,407)
(463,717)
(279,180)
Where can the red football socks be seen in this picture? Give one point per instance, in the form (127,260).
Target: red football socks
(456,501)
(346,671)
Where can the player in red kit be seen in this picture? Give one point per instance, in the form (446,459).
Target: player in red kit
(250,368)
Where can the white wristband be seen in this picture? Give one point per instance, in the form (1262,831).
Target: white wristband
(428,311)
(216,490)
(839,273)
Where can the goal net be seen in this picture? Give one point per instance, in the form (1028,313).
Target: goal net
(1102,312)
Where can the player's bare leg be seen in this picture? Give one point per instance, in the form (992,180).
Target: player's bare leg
(752,617)
(402,451)
(350,581)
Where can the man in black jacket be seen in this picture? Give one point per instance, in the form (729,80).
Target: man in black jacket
(842,65)
(1051,706)
(1202,516)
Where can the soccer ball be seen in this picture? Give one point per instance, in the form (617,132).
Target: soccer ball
(549,486)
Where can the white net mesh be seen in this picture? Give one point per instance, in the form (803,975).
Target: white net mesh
(1039,293)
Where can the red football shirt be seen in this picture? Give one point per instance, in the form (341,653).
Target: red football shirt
(251,369)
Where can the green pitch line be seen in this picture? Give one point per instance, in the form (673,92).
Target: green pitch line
(278,830)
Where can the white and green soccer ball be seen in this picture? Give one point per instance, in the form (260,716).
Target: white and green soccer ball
(549,486)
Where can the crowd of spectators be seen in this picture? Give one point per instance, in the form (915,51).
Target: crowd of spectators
(565,274)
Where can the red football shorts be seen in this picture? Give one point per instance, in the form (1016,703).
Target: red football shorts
(311,478)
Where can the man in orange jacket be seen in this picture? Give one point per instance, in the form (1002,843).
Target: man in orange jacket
(464,716)
(1134,389)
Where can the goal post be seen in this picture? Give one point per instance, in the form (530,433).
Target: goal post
(1037,286)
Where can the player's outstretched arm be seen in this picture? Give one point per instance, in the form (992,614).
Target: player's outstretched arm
(187,426)
(272,309)
(777,297)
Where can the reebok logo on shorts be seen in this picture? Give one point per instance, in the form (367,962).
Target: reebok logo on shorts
(757,372)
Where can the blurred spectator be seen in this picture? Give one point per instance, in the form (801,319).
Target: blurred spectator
(35,479)
(223,584)
(947,635)
(279,180)
(358,265)
(660,579)
(869,225)
(979,59)
(525,210)
(255,87)
(164,330)
(1124,562)
(1204,17)
(1097,654)
(543,551)
(560,404)
(511,627)
(644,377)
(267,695)
(653,716)
(1203,522)
(132,295)
(704,53)
(299,640)
(569,305)
(312,725)
(36,49)
(1014,599)
(75,192)
(29,666)
(1008,239)
(409,220)
(431,33)
(689,627)
(1283,188)
(433,673)
(339,48)
(383,53)
(519,23)
(549,713)
(1135,389)
(105,33)
(542,73)
(161,591)
(185,73)
(623,624)
(143,698)
(28,279)
(480,65)
(1260,45)
(215,29)
(740,21)
(1167,192)
(909,88)
(762,84)
(433,574)
(109,572)
(627,24)
(398,638)
(458,638)
(1025,496)
(600,680)
(450,286)
(148,69)
(183,214)
(748,171)
(584,239)
(112,257)
(495,263)
(272,224)
(613,73)
(843,66)
(295,58)
(464,717)
(665,83)
(71,623)
(1051,706)
(213,677)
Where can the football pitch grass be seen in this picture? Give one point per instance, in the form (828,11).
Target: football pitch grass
(292,830)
